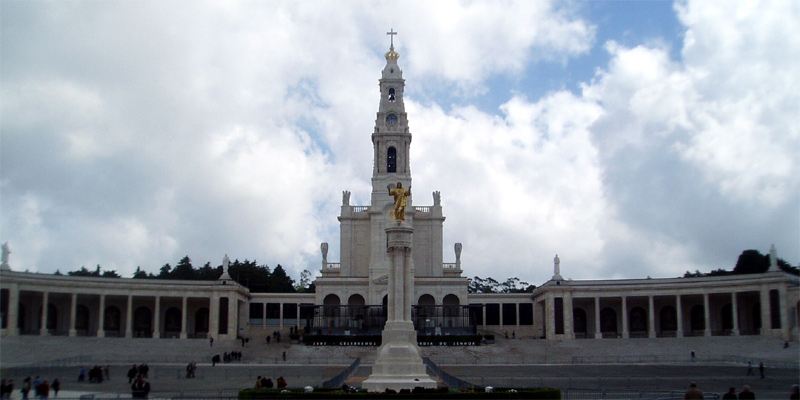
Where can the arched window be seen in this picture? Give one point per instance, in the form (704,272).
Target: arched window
(356,304)
(201,321)
(111,319)
(451,305)
(668,319)
(391,159)
(697,318)
(81,318)
(331,305)
(172,320)
(608,320)
(142,322)
(391,95)
(579,320)
(638,320)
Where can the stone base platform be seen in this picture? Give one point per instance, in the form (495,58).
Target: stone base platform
(398,365)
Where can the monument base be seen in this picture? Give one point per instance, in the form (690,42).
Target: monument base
(398,365)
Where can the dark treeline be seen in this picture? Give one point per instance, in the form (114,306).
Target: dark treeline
(257,278)
(749,262)
(489,285)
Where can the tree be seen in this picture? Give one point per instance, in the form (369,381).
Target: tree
(751,262)
(280,282)
(207,273)
(81,272)
(110,274)
(304,282)
(165,271)
(58,273)
(183,270)
(139,274)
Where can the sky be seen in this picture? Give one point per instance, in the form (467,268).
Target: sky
(632,138)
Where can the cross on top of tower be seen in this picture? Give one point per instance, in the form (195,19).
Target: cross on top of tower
(391,34)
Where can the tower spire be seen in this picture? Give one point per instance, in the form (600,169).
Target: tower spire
(391,34)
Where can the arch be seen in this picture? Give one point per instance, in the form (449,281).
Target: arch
(331,305)
(426,300)
(142,322)
(172,320)
(697,317)
(638,320)
(111,319)
(81,318)
(579,320)
(356,304)
(451,305)
(391,95)
(608,320)
(356,300)
(391,159)
(668,319)
(201,321)
(727,316)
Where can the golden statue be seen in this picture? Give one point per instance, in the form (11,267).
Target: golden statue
(400,200)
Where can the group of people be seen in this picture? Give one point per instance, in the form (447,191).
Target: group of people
(137,370)
(275,335)
(694,393)
(750,369)
(263,382)
(96,374)
(41,388)
(140,387)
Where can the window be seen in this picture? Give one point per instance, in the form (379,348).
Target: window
(391,160)
(391,95)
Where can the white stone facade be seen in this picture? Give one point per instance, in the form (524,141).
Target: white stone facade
(753,304)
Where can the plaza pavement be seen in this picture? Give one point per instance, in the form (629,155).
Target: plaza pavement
(635,365)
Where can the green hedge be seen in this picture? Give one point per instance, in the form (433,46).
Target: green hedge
(499,393)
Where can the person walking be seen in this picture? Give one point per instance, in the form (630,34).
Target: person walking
(26,388)
(284,356)
(761,369)
(750,368)
(140,388)
(56,386)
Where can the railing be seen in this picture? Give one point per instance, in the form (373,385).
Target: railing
(423,209)
(333,267)
(450,266)
(448,379)
(360,209)
(338,380)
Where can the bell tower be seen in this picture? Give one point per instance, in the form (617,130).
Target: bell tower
(391,139)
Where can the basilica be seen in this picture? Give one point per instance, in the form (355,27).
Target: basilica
(351,294)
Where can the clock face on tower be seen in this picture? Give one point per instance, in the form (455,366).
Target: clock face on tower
(391,120)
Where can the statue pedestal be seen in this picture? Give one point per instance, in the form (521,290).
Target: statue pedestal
(399,365)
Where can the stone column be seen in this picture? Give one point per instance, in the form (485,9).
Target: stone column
(13,308)
(501,314)
(264,314)
(129,318)
(766,320)
(784,310)
(735,312)
(213,315)
(73,305)
(550,315)
(184,317)
(157,318)
(483,310)
(598,334)
(517,309)
(233,316)
(297,314)
(569,330)
(707,314)
(280,315)
(43,326)
(625,333)
(679,316)
(398,364)
(651,318)
(101,320)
